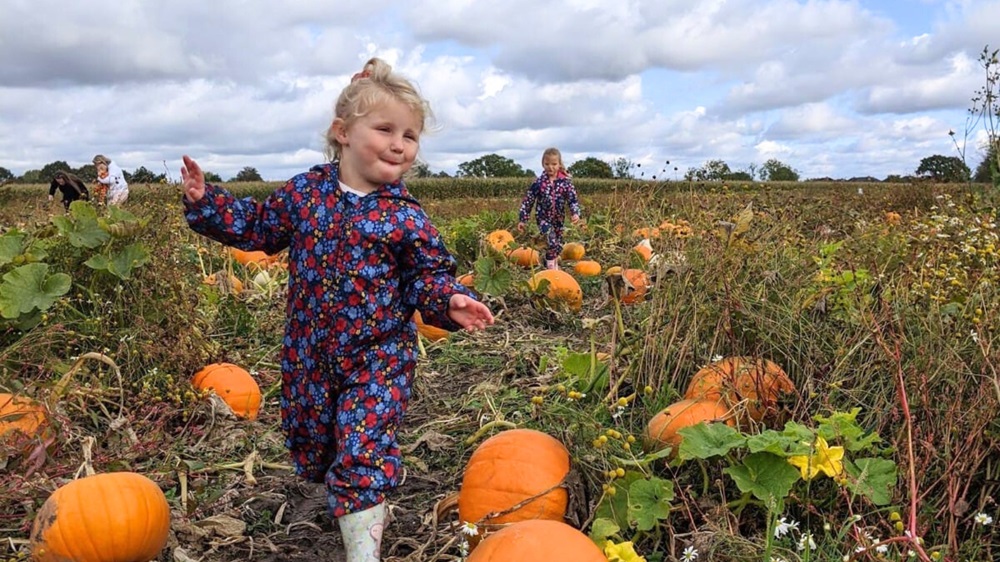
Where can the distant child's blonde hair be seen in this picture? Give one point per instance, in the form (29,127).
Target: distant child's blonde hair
(552,151)
(373,86)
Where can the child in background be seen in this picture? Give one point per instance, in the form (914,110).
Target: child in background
(114,180)
(550,194)
(100,189)
(363,257)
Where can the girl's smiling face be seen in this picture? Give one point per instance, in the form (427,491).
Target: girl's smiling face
(378,147)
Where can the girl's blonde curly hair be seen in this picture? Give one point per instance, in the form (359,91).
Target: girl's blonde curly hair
(371,87)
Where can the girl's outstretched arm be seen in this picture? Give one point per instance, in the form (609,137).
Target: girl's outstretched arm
(193,180)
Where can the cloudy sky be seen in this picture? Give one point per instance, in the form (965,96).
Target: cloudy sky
(829,87)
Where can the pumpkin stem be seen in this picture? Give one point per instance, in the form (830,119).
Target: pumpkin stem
(487,427)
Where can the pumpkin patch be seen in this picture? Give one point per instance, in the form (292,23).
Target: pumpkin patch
(234,385)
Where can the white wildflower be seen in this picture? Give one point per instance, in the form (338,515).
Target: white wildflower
(469,528)
(783,527)
(689,554)
(983,519)
(806,541)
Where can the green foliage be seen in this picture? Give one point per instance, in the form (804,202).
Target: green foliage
(944,169)
(212,177)
(5,174)
(31,288)
(491,166)
(776,170)
(988,171)
(248,173)
(623,168)
(591,167)
(142,175)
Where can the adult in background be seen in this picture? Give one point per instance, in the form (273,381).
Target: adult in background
(115,180)
(71,187)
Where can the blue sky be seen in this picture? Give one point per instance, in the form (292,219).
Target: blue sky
(832,88)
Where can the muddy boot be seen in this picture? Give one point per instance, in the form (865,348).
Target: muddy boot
(362,534)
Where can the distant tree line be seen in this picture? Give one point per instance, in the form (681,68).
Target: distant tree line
(89,173)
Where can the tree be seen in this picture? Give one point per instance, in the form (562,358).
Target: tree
(713,170)
(776,170)
(622,168)
(420,169)
(5,174)
(33,176)
(944,169)
(988,171)
(142,175)
(248,174)
(591,167)
(212,177)
(491,166)
(49,170)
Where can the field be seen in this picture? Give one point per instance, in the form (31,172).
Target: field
(880,302)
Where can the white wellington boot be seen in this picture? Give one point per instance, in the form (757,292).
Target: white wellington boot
(362,533)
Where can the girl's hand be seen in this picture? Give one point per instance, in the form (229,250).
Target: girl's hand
(193,180)
(520,227)
(575,218)
(469,313)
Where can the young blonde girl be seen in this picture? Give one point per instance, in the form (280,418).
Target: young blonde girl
(363,257)
(550,193)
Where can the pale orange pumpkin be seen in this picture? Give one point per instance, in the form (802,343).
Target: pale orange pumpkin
(113,517)
(500,241)
(525,257)
(234,385)
(646,232)
(510,468)
(433,333)
(757,383)
(644,249)
(661,431)
(551,541)
(20,417)
(468,280)
(573,251)
(638,280)
(234,285)
(587,268)
(255,259)
(562,287)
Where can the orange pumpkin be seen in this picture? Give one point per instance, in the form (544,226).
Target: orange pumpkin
(469,280)
(552,541)
(433,333)
(20,417)
(638,280)
(510,468)
(757,382)
(113,517)
(234,385)
(525,257)
(562,287)
(646,232)
(500,241)
(573,251)
(255,259)
(644,249)
(587,268)
(663,427)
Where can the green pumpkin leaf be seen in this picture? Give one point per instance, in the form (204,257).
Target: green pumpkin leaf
(843,427)
(491,277)
(783,444)
(872,478)
(121,264)
(602,529)
(615,507)
(649,502)
(29,288)
(706,440)
(80,226)
(767,476)
(11,246)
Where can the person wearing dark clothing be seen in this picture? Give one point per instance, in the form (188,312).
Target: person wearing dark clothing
(71,186)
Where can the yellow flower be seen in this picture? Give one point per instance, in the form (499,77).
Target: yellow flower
(825,459)
(621,552)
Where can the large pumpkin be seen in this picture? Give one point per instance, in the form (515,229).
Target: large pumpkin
(562,287)
(755,383)
(525,257)
(234,385)
(500,241)
(254,259)
(510,468)
(551,541)
(113,517)
(573,251)
(432,333)
(20,417)
(635,290)
(661,431)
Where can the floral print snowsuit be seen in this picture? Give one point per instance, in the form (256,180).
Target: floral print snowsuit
(550,199)
(358,268)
